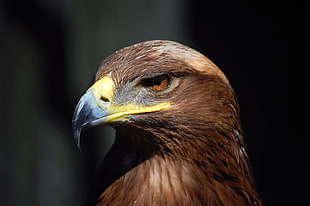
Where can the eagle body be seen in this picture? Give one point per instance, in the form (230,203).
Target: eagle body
(178,134)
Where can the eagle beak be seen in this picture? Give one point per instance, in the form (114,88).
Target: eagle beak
(96,107)
(86,113)
(93,107)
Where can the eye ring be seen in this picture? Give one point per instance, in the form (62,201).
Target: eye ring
(158,83)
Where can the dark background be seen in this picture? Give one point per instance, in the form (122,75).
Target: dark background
(49,54)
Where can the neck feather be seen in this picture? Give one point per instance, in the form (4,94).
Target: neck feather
(144,176)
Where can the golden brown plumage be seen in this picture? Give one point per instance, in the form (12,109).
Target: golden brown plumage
(178,134)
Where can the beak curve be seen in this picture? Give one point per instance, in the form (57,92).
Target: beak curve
(87,113)
(97,106)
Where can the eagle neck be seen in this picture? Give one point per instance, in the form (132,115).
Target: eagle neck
(144,174)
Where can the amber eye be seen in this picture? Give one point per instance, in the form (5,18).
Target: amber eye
(157,83)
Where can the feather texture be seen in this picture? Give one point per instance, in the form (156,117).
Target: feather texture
(190,154)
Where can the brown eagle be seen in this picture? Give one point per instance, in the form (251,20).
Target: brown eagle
(178,135)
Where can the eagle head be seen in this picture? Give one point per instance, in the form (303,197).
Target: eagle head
(176,119)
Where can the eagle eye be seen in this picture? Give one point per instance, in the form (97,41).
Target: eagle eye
(157,83)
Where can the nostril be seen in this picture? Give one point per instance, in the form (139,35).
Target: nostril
(104,99)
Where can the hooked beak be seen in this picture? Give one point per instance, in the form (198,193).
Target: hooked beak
(87,113)
(93,107)
(96,107)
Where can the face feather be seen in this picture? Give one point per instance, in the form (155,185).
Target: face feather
(178,133)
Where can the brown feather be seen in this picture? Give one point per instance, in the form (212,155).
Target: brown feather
(190,154)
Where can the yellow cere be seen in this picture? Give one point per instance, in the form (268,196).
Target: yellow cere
(105,88)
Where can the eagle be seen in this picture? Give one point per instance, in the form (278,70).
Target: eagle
(178,139)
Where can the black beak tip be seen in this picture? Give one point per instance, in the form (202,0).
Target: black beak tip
(87,113)
(77,135)
(78,144)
